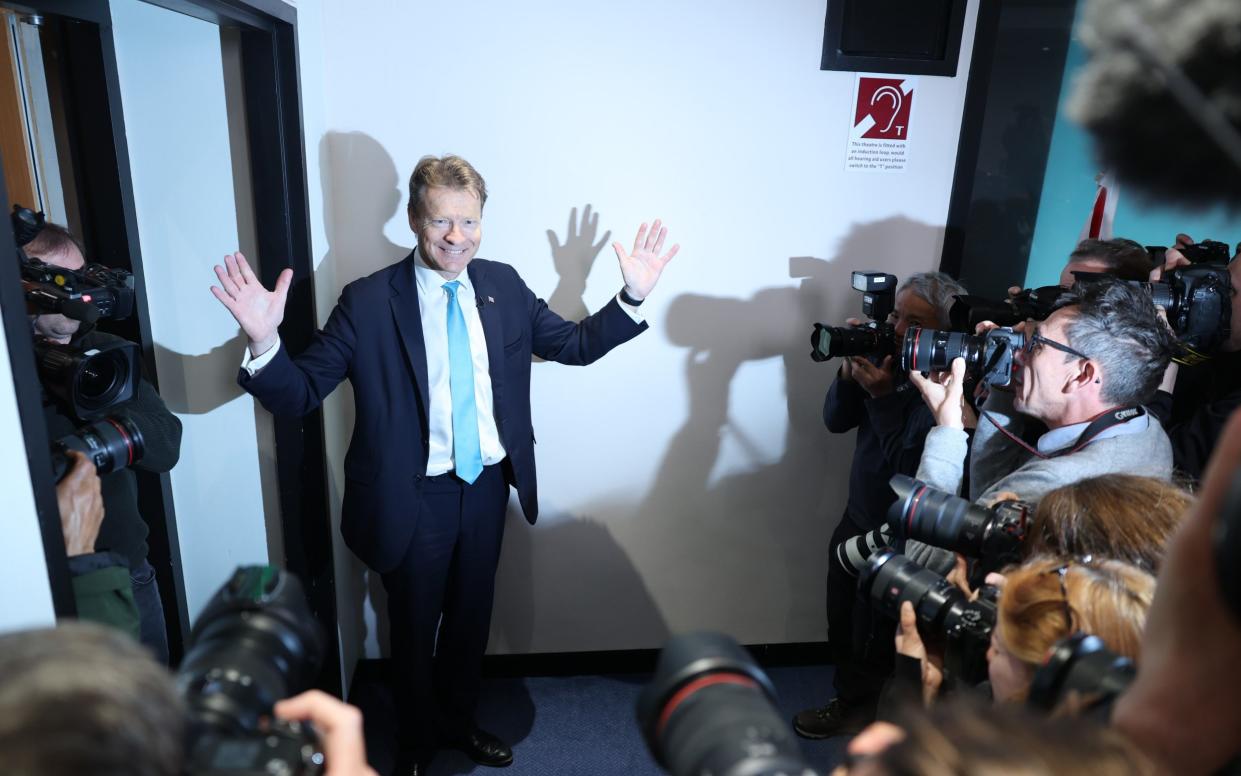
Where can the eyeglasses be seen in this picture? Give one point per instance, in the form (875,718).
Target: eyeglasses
(1035,339)
(1061,572)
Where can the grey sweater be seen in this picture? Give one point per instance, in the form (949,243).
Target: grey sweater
(998,464)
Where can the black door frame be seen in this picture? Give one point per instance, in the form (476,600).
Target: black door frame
(268,35)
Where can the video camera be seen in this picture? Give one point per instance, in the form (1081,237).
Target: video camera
(875,338)
(710,710)
(945,614)
(255,643)
(988,357)
(86,295)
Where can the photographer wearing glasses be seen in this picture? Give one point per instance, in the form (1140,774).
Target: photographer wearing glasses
(1084,373)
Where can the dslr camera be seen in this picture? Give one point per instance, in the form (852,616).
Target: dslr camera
(710,709)
(877,337)
(1198,300)
(945,614)
(1031,304)
(255,643)
(988,357)
(993,536)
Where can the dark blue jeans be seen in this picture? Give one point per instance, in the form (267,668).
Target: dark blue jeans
(150,610)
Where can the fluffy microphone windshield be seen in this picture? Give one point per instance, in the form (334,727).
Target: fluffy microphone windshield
(1132,98)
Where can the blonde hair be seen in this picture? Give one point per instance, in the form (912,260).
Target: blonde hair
(1119,516)
(449,171)
(1048,598)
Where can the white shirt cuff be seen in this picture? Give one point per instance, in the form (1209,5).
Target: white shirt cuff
(630,310)
(254,364)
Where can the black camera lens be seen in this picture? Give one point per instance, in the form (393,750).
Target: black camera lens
(89,381)
(255,643)
(709,709)
(932,350)
(954,523)
(891,579)
(943,611)
(111,444)
(1080,664)
(842,341)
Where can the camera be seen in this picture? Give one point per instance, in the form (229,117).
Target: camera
(255,643)
(710,710)
(89,381)
(87,294)
(988,357)
(875,338)
(854,553)
(944,612)
(112,443)
(993,536)
(1080,664)
(1031,304)
(1198,304)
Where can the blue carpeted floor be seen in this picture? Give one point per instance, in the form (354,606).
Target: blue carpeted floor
(578,725)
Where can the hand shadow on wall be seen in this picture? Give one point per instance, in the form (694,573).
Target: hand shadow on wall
(573,260)
(773,503)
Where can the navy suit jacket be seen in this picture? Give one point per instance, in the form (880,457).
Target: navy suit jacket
(374,338)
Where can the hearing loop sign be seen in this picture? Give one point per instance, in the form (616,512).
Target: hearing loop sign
(879,137)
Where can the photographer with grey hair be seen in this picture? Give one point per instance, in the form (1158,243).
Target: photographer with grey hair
(1085,373)
(891,423)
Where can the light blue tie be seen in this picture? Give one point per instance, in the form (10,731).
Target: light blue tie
(466,452)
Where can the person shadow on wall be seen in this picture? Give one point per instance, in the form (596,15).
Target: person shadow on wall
(720,520)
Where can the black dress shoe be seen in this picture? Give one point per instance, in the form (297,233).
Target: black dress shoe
(485,749)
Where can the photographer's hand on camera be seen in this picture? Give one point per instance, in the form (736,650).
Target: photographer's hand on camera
(944,394)
(875,380)
(80,503)
(257,310)
(909,643)
(340,728)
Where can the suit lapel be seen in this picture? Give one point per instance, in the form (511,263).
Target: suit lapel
(405,311)
(493,326)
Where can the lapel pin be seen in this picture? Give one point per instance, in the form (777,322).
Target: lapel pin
(491,300)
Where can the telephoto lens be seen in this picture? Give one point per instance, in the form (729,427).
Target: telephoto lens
(994,536)
(1080,665)
(932,350)
(255,643)
(710,710)
(111,444)
(828,342)
(943,611)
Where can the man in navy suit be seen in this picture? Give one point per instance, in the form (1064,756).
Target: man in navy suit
(437,348)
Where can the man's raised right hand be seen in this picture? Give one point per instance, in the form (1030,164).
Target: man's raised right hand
(257,310)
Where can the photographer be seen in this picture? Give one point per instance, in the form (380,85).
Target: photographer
(123,530)
(891,424)
(81,699)
(1121,258)
(1041,602)
(1194,403)
(1084,373)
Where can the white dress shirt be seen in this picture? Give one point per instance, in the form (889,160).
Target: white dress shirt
(433,308)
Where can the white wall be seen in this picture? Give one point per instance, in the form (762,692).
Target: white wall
(27,596)
(173,95)
(686,480)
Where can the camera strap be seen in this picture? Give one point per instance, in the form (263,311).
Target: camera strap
(1098,424)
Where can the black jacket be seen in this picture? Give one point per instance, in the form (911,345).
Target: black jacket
(123,530)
